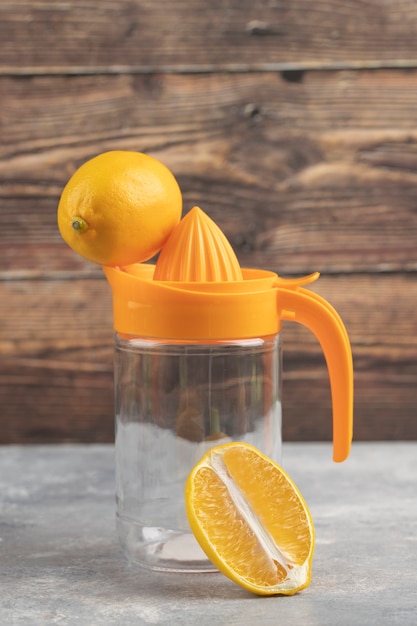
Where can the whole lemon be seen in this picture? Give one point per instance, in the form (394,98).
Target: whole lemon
(119,208)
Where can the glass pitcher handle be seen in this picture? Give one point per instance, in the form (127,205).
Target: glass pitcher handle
(307,308)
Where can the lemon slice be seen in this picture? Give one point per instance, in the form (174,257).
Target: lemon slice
(251,520)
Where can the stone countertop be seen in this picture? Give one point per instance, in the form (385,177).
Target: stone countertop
(60,562)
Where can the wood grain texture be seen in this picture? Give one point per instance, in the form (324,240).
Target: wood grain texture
(299,176)
(128,35)
(293,124)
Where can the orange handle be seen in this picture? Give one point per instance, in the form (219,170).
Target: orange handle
(309,309)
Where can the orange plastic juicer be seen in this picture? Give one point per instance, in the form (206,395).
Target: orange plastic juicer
(197,292)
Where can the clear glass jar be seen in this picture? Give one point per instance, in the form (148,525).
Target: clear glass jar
(173,401)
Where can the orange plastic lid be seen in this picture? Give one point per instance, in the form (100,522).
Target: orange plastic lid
(168,310)
(198,292)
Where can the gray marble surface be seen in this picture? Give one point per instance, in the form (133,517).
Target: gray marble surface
(60,562)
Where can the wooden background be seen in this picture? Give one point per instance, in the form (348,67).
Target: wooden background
(292,123)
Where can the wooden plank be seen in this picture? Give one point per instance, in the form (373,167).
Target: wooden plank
(141,35)
(379,313)
(315,175)
(57,359)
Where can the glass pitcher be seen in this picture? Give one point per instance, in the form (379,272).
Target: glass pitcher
(197,364)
